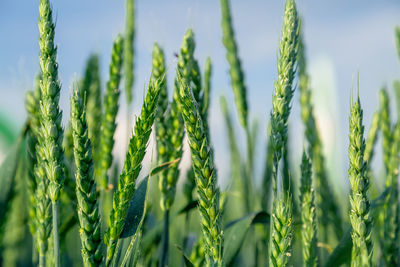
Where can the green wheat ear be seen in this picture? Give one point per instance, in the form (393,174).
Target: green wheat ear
(91,86)
(308,215)
(282,231)
(360,218)
(205,174)
(372,137)
(235,71)
(205,105)
(108,123)
(391,209)
(50,129)
(325,198)
(385,126)
(163,130)
(280,239)
(129,49)
(131,169)
(49,169)
(88,210)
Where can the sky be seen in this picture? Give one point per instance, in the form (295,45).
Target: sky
(343,39)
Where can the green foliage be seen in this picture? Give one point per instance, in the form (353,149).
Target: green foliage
(236,231)
(47,185)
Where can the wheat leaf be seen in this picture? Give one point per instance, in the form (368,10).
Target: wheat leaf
(235,233)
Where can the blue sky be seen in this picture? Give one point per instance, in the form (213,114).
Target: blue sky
(342,38)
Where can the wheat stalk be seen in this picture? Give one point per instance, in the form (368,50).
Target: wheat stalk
(108,123)
(325,199)
(360,217)
(284,90)
(88,210)
(308,215)
(49,148)
(205,174)
(131,170)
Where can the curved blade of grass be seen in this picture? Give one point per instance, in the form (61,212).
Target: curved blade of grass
(8,130)
(136,205)
(136,210)
(8,171)
(235,233)
(187,261)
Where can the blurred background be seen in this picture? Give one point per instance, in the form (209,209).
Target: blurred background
(342,38)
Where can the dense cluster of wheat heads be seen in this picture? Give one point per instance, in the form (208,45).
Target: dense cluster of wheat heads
(65,201)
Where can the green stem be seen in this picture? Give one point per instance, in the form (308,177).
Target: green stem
(134,242)
(248,185)
(165,241)
(54,206)
(42,256)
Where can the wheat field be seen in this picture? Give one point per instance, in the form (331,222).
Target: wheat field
(66,199)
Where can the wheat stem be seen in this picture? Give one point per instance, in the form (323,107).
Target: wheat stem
(308,215)
(49,148)
(283,94)
(131,169)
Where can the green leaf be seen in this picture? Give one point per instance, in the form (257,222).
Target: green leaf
(163,166)
(136,209)
(8,130)
(186,259)
(342,253)
(153,236)
(235,233)
(8,171)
